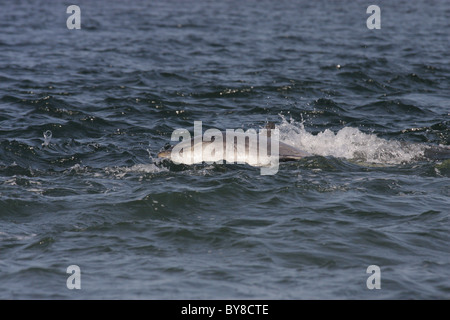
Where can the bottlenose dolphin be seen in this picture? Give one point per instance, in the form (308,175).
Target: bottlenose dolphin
(256,147)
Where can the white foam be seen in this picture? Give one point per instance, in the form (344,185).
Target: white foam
(146,168)
(10,236)
(120,172)
(349,143)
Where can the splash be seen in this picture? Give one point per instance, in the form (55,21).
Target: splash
(349,143)
(47,138)
(155,166)
(121,172)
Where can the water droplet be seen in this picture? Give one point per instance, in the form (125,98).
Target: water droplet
(47,137)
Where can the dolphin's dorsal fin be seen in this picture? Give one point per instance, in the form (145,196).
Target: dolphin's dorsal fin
(269,126)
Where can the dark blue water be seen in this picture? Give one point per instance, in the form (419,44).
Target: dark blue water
(371,106)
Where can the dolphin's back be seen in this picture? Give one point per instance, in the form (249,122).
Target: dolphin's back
(287,152)
(250,151)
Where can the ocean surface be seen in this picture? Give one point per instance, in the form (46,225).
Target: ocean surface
(84,113)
